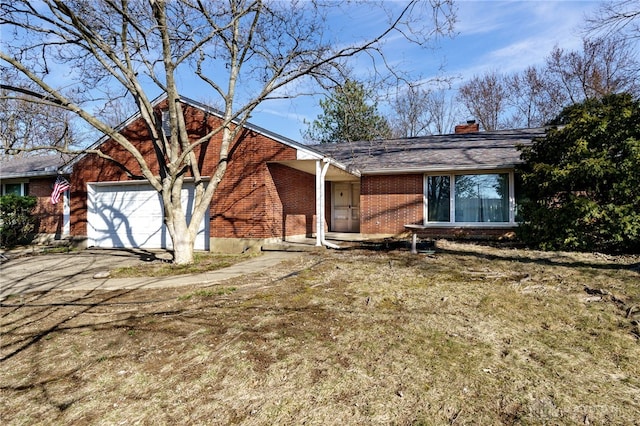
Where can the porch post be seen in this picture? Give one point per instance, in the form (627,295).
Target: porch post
(319,209)
(66,214)
(321,172)
(325,169)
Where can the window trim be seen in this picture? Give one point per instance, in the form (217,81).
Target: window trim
(452,197)
(23,187)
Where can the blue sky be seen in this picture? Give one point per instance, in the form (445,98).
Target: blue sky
(505,36)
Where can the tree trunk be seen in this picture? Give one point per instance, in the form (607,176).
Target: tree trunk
(182,250)
(183,240)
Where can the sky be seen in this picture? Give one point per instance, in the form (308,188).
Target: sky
(503,36)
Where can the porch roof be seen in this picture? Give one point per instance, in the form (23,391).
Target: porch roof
(469,151)
(335,173)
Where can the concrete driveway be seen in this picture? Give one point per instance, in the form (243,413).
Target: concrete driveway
(77,271)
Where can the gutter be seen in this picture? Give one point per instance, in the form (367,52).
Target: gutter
(469,168)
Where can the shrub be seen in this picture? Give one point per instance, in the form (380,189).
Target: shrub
(16,220)
(581,182)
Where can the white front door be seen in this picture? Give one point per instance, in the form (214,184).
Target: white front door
(130,215)
(346,207)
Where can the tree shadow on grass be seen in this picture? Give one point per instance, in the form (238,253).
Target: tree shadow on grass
(509,254)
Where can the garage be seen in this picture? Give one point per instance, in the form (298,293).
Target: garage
(130,215)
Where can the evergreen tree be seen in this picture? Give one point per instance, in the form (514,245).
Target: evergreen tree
(581,182)
(347,117)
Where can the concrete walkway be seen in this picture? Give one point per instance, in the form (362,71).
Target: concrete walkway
(76,271)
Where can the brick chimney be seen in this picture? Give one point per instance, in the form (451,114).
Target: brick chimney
(470,127)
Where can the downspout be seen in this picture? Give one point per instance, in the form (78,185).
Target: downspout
(321,173)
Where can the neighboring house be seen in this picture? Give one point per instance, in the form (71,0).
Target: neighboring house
(276,189)
(35,175)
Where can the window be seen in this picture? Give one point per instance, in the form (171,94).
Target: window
(469,198)
(166,123)
(439,191)
(21,189)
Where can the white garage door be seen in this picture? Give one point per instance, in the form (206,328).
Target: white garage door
(130,215)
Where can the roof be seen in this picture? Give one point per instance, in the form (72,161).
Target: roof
(33,165)
(210,110)
(469,151)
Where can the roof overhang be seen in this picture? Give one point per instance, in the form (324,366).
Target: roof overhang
(438,169)
(334,173)
(42,174)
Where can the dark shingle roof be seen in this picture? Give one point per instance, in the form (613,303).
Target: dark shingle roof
(482,150)
(32,165)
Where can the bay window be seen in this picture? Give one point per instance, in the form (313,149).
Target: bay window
(469,198)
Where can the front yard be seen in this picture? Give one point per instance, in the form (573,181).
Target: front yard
(468,334)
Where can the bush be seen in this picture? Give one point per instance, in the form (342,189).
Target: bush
(16,220)
(581,182)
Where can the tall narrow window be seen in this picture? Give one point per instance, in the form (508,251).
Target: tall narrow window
(166,123)
(439,190)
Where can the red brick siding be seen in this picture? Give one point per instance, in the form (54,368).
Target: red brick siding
(292,201)
(242,204)
(387,203)
(49,216)
(467,233)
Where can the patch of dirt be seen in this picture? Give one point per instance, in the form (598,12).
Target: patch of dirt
(464,334)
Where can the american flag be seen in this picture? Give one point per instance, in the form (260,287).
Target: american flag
(59,187)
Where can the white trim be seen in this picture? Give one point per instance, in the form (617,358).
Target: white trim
(23,187)
(439,170)
(139,181)
(66,214)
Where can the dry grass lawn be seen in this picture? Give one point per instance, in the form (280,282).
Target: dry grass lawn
(468,335)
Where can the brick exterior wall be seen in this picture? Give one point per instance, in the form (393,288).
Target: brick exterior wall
(49,216)
(459,233)
(292,202)
(248,202)
(387,203)
(245,205)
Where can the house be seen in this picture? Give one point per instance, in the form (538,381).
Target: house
(277,189)
(267,195)
(461,184)
(35,175)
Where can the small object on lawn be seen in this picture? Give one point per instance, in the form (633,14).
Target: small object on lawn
(102,274)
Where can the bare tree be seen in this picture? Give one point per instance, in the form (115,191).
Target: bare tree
(26,123)
(411,116)
(444,111)
(618,19)
(604,66)
(532,98)
(244,51)
(485,98)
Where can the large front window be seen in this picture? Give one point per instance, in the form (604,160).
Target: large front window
(469,198)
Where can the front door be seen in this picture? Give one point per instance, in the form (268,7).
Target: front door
(346,207)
